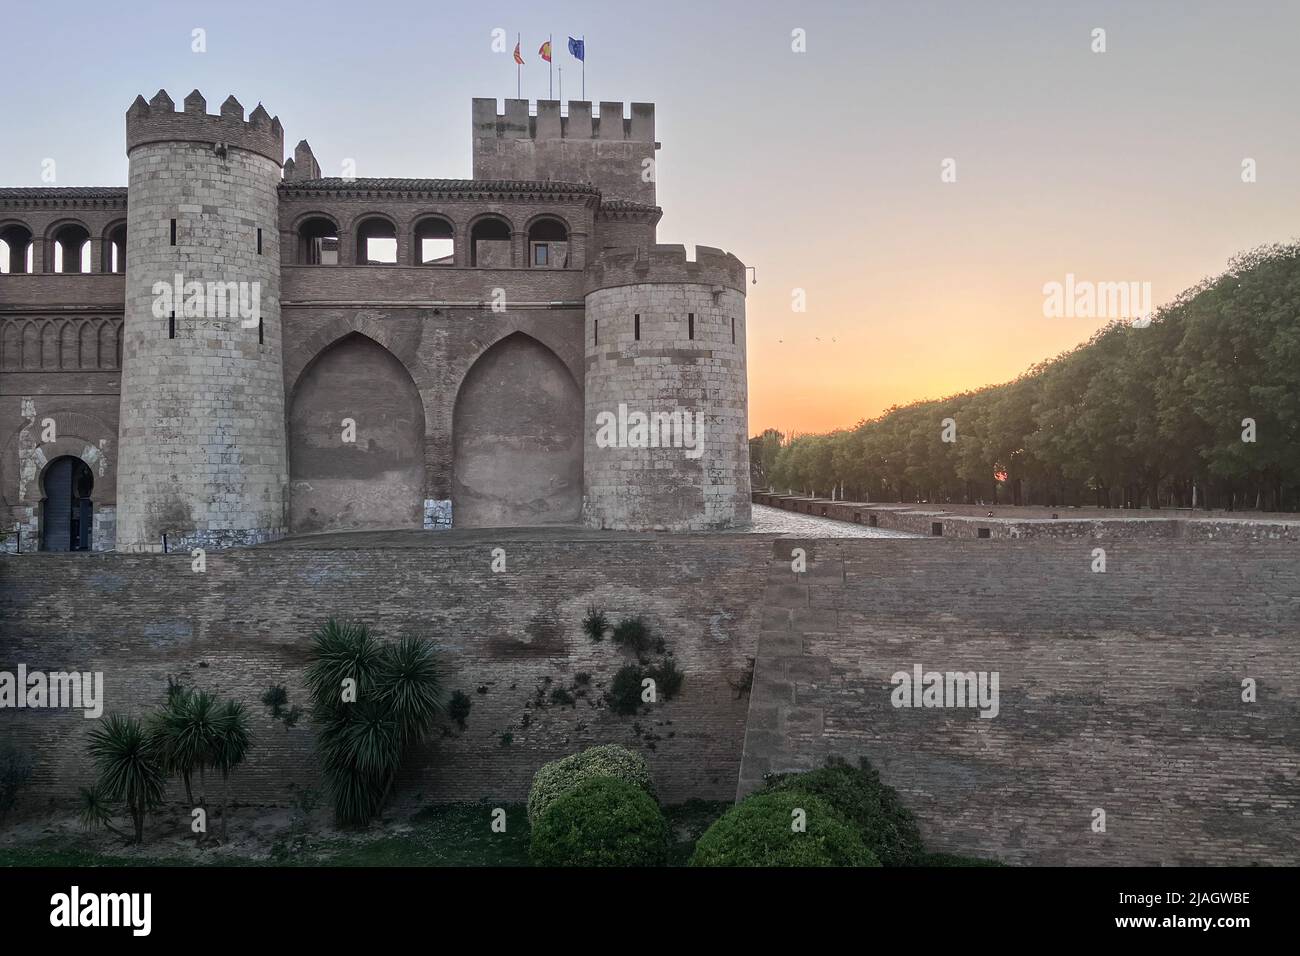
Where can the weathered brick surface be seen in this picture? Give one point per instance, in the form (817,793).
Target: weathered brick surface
(1119,691)
(244,625)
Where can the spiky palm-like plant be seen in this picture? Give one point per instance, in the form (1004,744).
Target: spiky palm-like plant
(230,747)
(185,731)
(361,743)
(129,768)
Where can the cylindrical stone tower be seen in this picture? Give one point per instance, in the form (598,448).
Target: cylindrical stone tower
(667,445)
(202,452)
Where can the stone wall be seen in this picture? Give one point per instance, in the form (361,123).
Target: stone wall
(658,348)
(504,638)
(1119,691)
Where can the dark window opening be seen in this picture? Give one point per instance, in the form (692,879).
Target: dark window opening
(72,249)
(435,243)
(260,339)
(171,326)
(936,529)
(690,325)
(595,331)
(489,244)
(733,331)
(115,250)
(857,517)
(16,249)
(548,244)
(376,243)
(871,521)
(259,242)
(318,242)
(173,232)
(636,326)
(982,533)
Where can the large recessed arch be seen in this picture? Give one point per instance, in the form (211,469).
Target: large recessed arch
(517,439)
(375,481)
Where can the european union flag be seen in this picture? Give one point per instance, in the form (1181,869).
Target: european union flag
(578,48)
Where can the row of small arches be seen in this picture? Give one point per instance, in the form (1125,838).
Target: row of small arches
(68,248)
(51,344)
(488,241)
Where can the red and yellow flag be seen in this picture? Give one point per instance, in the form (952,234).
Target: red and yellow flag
(545,51)
(519,57)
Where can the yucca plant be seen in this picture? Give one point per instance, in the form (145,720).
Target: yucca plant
(361,743)
(129,769)
(230,747)
(185,732)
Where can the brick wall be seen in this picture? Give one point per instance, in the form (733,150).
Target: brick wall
(244,625)
(1120,691)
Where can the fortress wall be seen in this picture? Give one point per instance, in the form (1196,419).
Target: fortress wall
(1120,691)
(244,625)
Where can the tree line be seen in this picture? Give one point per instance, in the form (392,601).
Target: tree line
(1198,408)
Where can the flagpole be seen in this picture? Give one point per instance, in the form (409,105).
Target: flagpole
(519,70)
(550,66)
(584,66)
(561,69)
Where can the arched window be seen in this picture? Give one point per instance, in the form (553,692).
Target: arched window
(15,249)
(435,243)
(376,242)
(318,242)
(489,243)
(548,244)
(115,249)
(72,248)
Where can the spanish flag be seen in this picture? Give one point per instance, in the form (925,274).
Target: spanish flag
(519,57)
(545,51)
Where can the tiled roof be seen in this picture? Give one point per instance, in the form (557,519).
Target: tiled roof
(334,183)
(627,205)
(64,192)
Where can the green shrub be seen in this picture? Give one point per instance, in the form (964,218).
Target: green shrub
(559,777)
(602,821)
(458,708)
(595,624)
(624,694)
(857,793)
(668,678)
(758,831)
(633,634)
(952,859)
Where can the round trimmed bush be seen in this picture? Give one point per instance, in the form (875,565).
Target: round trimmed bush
(601,822)
(886,826)
(559,777)
(758,832)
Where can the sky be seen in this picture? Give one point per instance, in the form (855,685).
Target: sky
(825,168)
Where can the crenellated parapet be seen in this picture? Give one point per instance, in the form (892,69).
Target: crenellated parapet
(158,121)
(614,152)
(664,263)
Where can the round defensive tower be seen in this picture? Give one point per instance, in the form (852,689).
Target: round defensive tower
(666,442)
(202,456)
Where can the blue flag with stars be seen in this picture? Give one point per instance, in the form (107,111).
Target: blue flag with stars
(578,48)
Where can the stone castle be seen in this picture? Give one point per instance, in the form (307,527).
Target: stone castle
(234,347)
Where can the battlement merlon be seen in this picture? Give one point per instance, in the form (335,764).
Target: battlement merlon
(158,121)
(662,263)
(614,153)
(548,124)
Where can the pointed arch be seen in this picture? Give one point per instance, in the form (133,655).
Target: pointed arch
(517,438)
(356,441)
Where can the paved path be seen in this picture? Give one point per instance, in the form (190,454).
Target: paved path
(769,520)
